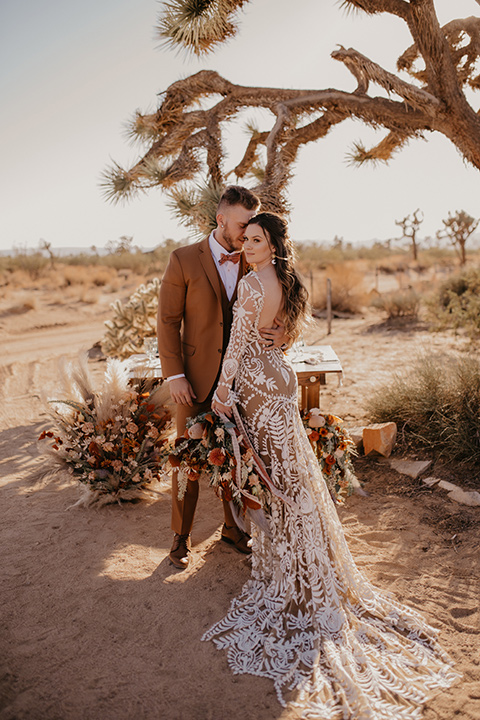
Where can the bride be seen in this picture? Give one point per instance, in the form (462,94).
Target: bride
(334,646)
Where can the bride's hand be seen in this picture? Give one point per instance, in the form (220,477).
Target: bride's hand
(220,409)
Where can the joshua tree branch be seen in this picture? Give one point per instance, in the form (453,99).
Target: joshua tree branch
(185,137)
(373,7)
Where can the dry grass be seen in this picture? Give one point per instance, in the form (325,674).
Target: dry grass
(347,282)
(436,404)
(404,304)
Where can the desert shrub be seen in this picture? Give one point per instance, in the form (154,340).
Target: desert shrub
(132,321)
(348,293)
(456,304)
(401,304)
(436,404)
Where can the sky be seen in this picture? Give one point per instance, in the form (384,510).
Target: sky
(72,74)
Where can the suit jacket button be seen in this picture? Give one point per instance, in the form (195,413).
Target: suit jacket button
(219,350)
(221,324)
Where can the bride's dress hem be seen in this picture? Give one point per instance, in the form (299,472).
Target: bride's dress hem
(335,646)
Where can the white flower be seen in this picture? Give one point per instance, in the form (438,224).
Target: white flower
(195,431)
(219,433)
(88,428)
(316,421)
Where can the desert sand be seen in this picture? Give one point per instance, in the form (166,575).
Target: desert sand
(97,624)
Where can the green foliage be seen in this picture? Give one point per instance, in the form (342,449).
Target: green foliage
(436,405)
(457,302)
(132,321)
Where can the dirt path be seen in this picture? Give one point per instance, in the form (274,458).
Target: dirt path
(95,622)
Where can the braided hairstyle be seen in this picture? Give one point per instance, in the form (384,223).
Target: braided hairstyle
(295,304)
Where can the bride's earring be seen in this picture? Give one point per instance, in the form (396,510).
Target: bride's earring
(274,262)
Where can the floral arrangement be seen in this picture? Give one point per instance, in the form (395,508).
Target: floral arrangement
(207,447)
(334,449)
(110,439)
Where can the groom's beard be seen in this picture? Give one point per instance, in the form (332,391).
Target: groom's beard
(233,245)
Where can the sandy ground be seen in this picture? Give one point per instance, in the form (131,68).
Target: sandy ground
(96,624)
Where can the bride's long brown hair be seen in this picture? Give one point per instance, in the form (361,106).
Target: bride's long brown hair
(295,295)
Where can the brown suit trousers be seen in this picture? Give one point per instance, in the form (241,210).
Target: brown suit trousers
(194,320)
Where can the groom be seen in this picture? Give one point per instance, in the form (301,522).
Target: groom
(197,293)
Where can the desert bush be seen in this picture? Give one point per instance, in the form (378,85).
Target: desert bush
(89,296)
(401,304)
(348,294)
(436,404)
(31,262)
(456,304)
(132,321)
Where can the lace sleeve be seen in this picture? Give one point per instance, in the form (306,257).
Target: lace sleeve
(246,312)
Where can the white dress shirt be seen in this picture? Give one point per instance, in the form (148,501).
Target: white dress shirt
(228,271)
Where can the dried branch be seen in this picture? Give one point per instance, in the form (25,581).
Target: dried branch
(372,7)
(464,56)
(184,136)
(365,70)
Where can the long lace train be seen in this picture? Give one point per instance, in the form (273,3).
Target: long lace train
(333,644)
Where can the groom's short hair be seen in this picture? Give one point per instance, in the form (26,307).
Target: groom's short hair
(239,195)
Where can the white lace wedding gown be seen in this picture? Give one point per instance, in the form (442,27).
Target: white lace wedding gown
(334,646)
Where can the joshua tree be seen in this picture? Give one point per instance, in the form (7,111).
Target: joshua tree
(458,228)
(183,137)
(410,226)
(47,246)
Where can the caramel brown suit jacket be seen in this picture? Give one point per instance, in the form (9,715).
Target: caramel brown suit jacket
(191,332)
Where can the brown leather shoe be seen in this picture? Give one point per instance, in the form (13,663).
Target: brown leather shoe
(181,551)
(236,537)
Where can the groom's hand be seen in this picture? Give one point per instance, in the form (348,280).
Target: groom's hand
(181,391)
(275,336)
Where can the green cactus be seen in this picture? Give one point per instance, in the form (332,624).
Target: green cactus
(132,321)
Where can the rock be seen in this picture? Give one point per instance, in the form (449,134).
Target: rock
(380,438)
(412,468)
(95,353)
(465,497)
(430,481)
(447,485)
(356,434)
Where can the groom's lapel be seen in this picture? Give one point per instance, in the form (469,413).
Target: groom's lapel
(208,264)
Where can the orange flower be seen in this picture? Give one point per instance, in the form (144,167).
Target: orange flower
(323,432)
(193,475)
(216,457)
(314,436)
(253,504)
(330,460)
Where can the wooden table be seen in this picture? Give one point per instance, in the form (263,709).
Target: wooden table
(312,364)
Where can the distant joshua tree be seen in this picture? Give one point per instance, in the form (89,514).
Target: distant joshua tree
(458,228)
(410,226)
(183,138)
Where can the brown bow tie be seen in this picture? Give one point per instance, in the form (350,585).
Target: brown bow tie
(234,258)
